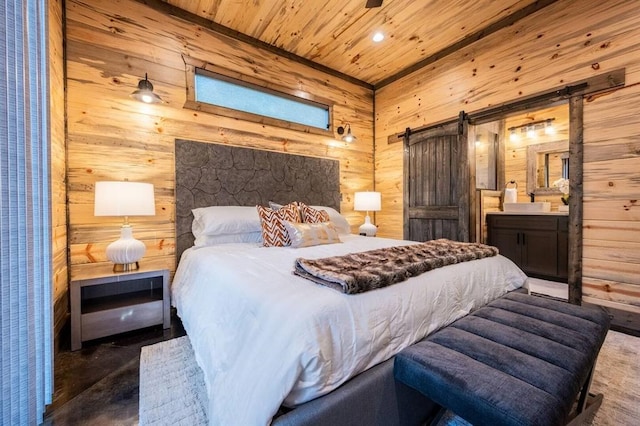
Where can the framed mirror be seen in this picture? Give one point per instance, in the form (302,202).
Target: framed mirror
(546,163)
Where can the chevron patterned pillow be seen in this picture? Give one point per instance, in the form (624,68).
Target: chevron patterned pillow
(311,215)
(274,234)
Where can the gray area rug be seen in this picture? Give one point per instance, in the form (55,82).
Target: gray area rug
(172,389)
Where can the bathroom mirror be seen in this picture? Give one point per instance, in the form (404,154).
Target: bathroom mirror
(546,163)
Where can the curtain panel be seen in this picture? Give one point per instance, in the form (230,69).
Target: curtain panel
(25,225)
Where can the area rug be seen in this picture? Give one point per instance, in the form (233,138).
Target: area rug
(172,389)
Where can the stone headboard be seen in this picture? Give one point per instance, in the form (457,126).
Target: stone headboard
(210,174)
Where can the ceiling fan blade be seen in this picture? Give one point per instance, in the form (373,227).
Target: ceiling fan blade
(373,3)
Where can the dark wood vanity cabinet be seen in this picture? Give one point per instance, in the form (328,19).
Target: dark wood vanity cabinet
(538,244)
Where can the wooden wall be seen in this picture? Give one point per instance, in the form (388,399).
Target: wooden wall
(563,43)
(58,165)
(110,46)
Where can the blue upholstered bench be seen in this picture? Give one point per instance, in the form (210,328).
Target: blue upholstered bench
(520,360)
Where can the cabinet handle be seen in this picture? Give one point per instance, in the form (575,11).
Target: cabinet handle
(523,239)
(518,238)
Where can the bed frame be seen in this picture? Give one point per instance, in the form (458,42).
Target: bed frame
(211,174)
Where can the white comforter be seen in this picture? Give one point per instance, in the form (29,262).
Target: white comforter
(263,336)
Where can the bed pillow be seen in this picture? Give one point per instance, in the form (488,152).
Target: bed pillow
(246,237)
(274,233)
(311,234)
(224,220)
(341,223)
(311,215)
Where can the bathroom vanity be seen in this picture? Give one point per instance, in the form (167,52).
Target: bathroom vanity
(537,243)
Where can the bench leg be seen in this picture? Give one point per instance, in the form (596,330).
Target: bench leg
(582,400)
(593,403)
(588,403)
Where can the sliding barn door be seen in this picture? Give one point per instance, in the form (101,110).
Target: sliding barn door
(437,199)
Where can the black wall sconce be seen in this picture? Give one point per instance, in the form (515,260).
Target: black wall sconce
(144,93)
(348,136)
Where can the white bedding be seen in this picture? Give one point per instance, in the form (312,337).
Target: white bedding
(263,336)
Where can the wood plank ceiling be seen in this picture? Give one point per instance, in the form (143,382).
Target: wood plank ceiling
(337,33)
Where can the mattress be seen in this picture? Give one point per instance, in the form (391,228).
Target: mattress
(265,337)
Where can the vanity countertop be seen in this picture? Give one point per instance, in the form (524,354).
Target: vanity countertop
(553,213)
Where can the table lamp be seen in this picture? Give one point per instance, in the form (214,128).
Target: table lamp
(126,199)
(367,201)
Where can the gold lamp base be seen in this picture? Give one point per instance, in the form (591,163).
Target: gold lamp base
(126,267)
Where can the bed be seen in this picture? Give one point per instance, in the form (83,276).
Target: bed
(266,339)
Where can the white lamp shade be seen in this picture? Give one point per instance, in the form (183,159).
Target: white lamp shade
(367,201)
(123,198)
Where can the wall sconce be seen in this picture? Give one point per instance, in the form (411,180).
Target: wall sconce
(531,129)
(124,199)
(144,93)
(348,137)
(367,201)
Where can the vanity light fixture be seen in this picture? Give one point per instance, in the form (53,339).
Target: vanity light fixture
(531,129)
(144,92)
(348,136)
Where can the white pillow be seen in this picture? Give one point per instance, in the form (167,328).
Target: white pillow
(247,237)
(340,222)
(224,220)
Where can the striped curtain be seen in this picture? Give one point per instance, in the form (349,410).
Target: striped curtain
(25,228)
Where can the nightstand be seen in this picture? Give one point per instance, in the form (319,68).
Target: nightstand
(106,303)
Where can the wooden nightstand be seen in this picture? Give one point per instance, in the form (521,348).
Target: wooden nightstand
(107,303)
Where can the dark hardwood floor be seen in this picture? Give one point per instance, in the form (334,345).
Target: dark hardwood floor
(98,385)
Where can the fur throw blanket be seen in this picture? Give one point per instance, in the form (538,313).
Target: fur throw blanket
(359,272)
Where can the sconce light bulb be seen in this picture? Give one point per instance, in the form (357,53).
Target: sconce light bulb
(549,129)
(513,136)
(531,132)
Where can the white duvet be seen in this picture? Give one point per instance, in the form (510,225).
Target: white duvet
(264,337)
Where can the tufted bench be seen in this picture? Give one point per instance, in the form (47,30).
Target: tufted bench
(520,360)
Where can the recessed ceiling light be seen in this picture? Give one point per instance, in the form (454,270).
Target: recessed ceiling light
(377,37)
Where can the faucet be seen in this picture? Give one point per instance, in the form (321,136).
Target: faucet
(533,197)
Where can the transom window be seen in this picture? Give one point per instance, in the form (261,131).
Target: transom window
(213,91)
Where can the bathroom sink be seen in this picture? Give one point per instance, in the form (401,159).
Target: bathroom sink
(537,207)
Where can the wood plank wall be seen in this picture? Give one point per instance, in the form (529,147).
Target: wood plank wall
(110,46)
(58,165)
(563,43)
